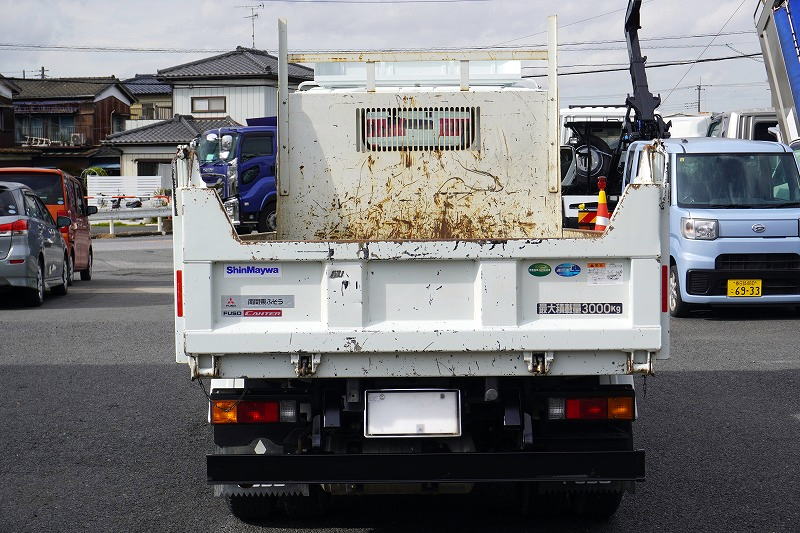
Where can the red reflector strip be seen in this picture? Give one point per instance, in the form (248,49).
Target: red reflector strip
(586,408)
(179,292)
(664,288)
(17,261)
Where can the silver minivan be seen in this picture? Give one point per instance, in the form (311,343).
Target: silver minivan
(33,257)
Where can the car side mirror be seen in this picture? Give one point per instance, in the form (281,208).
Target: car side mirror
(91,209)
(63,222)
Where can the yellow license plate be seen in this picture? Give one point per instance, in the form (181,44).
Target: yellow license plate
(747,288)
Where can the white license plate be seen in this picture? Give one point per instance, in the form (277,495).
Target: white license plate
(412,413)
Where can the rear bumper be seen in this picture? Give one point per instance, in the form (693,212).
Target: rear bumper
(18,275)
(427,468)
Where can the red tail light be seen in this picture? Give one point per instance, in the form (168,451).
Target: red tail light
(664,288)
(179,292)
(18,227)
(257,412)
(598,408)
(233,412)
(586,408)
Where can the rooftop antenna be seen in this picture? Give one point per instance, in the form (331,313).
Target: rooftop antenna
(253,16)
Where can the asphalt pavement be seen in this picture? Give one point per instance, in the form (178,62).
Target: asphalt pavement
(102,431)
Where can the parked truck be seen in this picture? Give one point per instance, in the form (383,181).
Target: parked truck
(240,164)
(421,321)
(776,22)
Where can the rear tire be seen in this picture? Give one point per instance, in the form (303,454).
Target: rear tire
(71,273)
(598,505)
(35,297)
(86,275)
(677,307)
(61,290)
(268,218)
(251,508)
(315,505)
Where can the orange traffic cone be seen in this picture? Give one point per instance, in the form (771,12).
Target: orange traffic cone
(601,222)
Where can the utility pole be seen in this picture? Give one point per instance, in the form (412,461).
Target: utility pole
(253,16)
(699,95)
(42,71)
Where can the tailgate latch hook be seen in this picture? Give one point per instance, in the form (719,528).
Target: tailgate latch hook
(306,364)
(539,362)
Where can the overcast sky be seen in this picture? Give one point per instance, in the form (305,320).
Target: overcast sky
(206,24)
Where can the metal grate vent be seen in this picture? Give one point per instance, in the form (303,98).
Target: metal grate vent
(758,262)
(697,282)
(392,129)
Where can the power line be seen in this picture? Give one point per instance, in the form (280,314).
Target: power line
(645,39)
(91,48)
(626,64)
(295,2)
(597,71)
(652,48)
(729,45)
(568,25)
(654,65)
(621,94)
(136,49)
(691,65)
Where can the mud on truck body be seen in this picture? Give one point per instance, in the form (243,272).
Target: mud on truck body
(420,321)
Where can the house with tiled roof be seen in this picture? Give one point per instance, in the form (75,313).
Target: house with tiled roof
(242,84)
(61,122)
(74,112)
(148,150)
(154,98)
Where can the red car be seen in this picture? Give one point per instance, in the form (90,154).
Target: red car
(64,196)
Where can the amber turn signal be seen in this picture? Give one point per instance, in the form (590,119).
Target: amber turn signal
(223,412)
(620,408)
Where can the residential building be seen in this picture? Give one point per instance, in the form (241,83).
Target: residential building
(154,99)
(70,111)
(240,84)
(8,90)
(148,150)
(61,122)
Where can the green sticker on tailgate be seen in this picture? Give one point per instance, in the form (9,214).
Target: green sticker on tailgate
(539,269)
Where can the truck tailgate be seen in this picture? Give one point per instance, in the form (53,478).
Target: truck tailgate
(421,308)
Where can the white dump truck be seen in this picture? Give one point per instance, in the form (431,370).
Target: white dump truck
(420,321)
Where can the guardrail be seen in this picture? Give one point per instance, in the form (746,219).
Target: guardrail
(110,215)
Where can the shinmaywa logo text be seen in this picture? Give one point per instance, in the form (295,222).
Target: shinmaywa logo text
(251,270)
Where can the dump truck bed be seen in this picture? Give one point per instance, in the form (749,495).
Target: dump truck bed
(419,235)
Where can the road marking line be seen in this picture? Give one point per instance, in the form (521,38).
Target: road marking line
(149,290)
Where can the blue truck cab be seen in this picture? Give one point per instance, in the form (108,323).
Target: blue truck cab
(240,163)
(734,220)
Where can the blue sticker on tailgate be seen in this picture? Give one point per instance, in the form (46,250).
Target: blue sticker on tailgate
(568,270)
